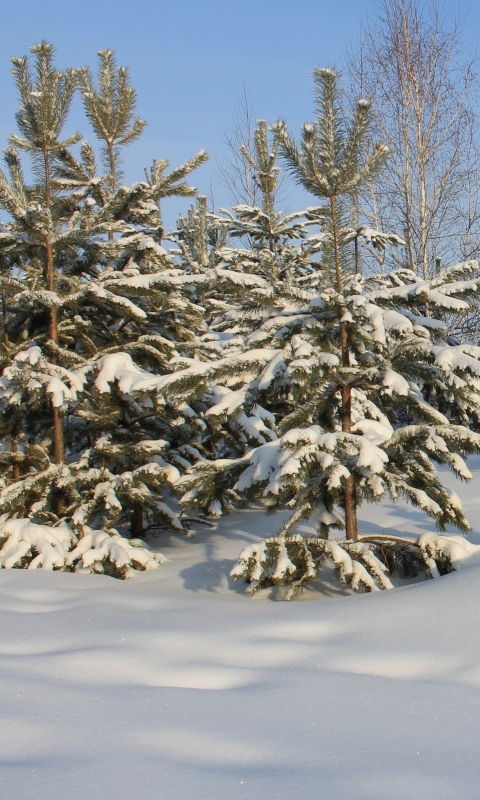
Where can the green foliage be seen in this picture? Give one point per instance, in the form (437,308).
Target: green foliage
(110,107)
(328,161)
(331,164)
(46,96)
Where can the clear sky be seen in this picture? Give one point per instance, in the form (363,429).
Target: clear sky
(188,60)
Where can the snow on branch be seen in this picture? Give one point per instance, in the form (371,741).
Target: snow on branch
(25,544)
(294,561)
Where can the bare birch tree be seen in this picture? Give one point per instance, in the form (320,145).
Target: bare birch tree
(234,171)
(410,62)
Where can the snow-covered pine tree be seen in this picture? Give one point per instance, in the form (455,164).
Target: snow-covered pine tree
(329,165)
(219,283)
(250,281)
(349,366)
(93,308)
(132,429)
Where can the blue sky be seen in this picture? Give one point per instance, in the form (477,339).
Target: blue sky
(188,60)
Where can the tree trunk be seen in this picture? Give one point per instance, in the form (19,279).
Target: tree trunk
(16,467)
(350,495)
(58,438)
(357,257)
(5,328)
(58,435)
(136,524)
(350,498)
(111,158)
(350,503)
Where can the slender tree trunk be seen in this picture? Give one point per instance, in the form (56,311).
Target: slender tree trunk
(422,147)
(5,328)
(111,158)
(380,258)
(271,244)
(58,434)
(58,437)
(355,224)
(357,257)
(269,208)
(350,499)
(16,467)
(50,281)
(136,524)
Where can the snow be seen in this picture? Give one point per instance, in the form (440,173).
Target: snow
(104,294)
(121,368)
(397,383)
(228,401)
(371,456)
(58,547)
(458,357)
(175,685)
(276,367)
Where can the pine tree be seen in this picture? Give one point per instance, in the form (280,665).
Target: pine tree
(272,372)
(329,166)
(95,307)
(251,281)
(45,104)
(346,371)
(225,277)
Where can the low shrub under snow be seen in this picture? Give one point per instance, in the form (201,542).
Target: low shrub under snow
(365,566)
(25,544)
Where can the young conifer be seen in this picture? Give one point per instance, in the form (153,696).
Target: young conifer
(330,164)
(346,372)
(94,308)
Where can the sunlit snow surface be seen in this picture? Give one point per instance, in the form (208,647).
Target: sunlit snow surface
(173,685)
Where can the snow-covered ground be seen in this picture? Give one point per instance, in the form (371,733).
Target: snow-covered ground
(174,685)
